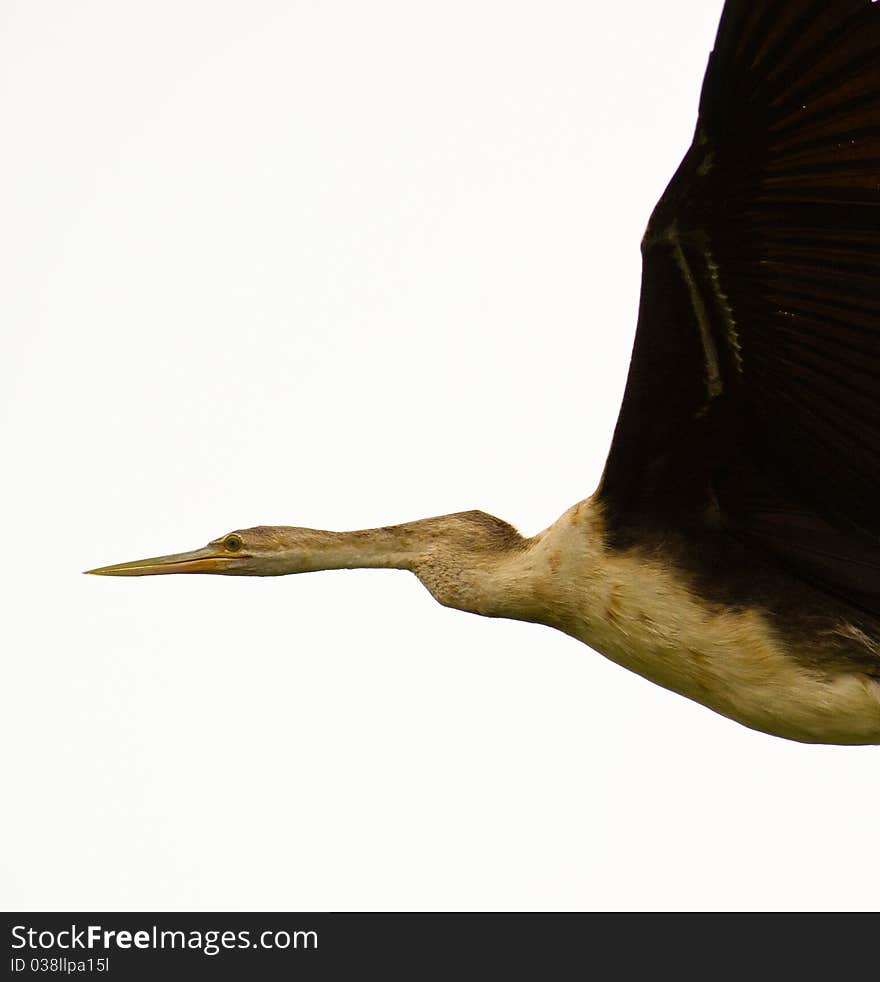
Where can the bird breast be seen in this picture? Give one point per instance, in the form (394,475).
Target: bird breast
(642,612)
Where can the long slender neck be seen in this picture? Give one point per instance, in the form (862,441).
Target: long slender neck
(464,560)
(303,550)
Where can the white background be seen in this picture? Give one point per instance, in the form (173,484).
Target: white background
(342,264)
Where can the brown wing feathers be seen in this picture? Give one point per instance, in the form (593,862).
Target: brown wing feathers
(776,213)
(797,239)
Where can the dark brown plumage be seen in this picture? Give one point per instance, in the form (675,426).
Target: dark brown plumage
(751,404)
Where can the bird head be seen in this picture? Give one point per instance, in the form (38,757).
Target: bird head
(257,551)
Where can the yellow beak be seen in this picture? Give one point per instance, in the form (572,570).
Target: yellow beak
(209,559)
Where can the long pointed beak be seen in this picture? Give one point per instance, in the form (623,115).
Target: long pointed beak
(209,559)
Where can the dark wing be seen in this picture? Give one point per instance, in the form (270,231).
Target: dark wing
(754,382)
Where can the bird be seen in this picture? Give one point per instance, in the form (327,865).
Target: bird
(731,551)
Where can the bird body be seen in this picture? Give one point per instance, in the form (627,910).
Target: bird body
(731,552)
(646,612)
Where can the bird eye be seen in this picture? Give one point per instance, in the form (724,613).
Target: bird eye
(232,543)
